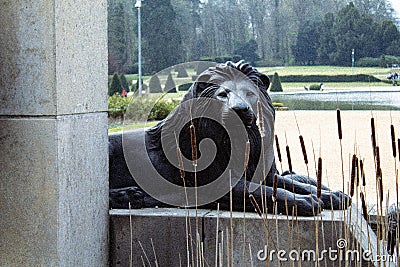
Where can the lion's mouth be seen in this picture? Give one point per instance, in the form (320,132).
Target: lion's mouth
(247,119)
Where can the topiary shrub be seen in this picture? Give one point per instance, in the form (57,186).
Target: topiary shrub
(115,86)
(184,87)
(182,73)
(155,85)
(276,85)
(315,87)
(124,82)
(170,86)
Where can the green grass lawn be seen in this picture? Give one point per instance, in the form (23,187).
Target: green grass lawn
(324,70)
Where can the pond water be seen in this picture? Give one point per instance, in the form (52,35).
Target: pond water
(345,100)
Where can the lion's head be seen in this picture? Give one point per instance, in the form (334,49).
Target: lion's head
(228,104)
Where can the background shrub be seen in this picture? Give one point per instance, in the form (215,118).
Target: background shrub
(115,86)
(140,108)
(124,82)
(276,85)
(182,73)
(170,86)
(155,85)
(184,87)
(315,87)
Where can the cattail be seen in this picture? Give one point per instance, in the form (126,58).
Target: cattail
(357,171)
(255,205)
(180,162)
(373,136)
(289,159)
(319,177)
(275,188)
(260,119)
(339,123)
(393,140)
(380,188)
(303,149)
(193,143)
(364,206)
(362,173)
(247,155)
(378,162)
(353,175)
(398,147)
(278,149)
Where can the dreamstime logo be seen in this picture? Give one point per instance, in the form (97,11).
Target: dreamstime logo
(340,253)
(148,174)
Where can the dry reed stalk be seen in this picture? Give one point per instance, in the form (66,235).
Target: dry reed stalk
(154,252)
(194,159)
(230,222)
(246,156)
(131,236)
(392,133)
(289,158)
(144,252)
(251,256)
(303,149)
(353,174)
(362,172)
(245,167)
(398,147)
(216,237)
(339,124)
(193,143)
(255,205)
(260,119)
(340,136)
(278,150)
(373,135)
(319,178)
(357,173)
(275,188)
(141,257)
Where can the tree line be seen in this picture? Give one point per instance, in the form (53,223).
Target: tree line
(265,32)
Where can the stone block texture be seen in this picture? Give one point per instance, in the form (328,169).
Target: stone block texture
(53,133)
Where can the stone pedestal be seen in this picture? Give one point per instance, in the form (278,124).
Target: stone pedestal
(53,133)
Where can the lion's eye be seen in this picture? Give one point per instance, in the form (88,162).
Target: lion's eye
(223,94)
(249,94)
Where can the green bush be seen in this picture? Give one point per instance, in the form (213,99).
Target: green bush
(155,85)
(115,86)
(117,105)
(276,85)
(277,104)
(140,108)
(315,87)
(184,87)
(368,62)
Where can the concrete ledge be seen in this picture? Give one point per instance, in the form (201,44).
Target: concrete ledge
(161,235)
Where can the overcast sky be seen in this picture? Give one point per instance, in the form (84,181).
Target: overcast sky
(396,6)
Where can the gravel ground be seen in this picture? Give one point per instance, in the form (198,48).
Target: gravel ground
(319,130)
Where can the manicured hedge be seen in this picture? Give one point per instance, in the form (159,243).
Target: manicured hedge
(329,78)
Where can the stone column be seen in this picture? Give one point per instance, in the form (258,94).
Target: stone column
(53,133)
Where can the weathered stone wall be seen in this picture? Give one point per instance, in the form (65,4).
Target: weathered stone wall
(53,133)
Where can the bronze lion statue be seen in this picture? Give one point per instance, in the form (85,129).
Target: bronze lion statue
(216,144)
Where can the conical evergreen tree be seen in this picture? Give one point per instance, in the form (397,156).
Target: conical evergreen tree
(276,85)
(124,82)
(155,85)
(170,86)
(115,86)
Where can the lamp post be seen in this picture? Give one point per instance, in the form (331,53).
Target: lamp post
(138,5)
(352,61)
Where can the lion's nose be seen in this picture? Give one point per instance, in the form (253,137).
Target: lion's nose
(239,108)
